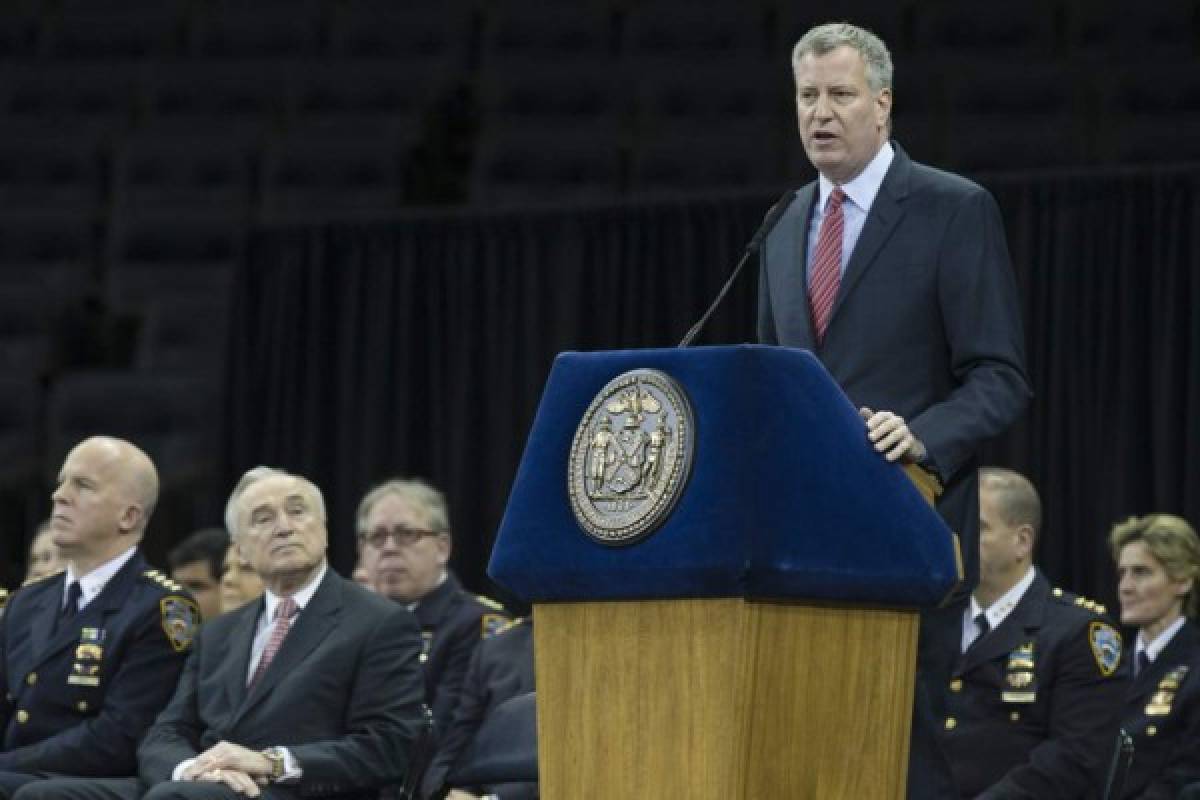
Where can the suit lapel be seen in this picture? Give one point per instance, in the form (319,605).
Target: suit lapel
(1019,627)
(310,628)
(241,643)
(787,247)
(109,601)
(886,212)
(45,616)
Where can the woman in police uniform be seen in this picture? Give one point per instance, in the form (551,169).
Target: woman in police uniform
(1158,567)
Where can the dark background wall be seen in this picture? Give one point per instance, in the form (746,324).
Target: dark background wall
(348,236)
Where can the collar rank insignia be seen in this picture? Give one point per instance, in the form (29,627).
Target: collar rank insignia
(180,621)
(631,457)
(1106,647)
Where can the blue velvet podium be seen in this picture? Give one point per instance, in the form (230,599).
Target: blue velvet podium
(762,641)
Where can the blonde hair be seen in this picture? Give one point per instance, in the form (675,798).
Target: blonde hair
(1172,541)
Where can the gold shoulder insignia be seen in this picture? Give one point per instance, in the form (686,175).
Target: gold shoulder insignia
(3,598)
(1058,592)
(511,624)
(180,620)
(33,581)
(489,602)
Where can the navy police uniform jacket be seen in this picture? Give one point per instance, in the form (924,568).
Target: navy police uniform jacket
(502,668)
(1162,714)
(1032,708)
(78,695)
(453,621)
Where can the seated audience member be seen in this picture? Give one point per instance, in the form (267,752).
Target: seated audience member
(501,669)
(240,582)
(405,530)
(196,564)
(314,690)
(44,558)
(1158,562)
(89,656)
(1032,708)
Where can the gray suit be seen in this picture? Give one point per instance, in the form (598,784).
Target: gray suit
(344,694)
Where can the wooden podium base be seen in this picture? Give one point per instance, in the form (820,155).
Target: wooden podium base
(723,700)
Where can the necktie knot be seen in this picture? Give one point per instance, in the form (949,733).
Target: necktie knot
(286,609)
(981,622)
(835,200)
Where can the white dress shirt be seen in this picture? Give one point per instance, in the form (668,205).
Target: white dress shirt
(1152,649)
(93,583)
(997,612)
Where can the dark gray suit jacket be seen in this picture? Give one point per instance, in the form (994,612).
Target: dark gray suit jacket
(926,322)
(344,694)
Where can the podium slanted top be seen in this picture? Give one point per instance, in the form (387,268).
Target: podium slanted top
(786,497)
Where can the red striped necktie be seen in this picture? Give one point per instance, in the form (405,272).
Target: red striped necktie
(825,274)
(284,612)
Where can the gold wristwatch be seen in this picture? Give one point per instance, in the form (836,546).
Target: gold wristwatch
(278,766)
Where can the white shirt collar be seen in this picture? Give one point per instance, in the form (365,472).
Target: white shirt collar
(862,190)
(1161,641)
(94,582)
(998,611)
(302,596)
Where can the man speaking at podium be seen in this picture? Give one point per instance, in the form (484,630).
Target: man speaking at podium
(897,277)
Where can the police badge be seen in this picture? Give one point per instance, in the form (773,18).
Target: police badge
(631,457)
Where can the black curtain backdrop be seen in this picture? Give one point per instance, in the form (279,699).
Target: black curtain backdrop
(419,345)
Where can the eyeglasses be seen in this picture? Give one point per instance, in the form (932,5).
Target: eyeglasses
(378,538)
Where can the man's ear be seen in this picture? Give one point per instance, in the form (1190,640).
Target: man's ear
(445,547)
(883,107)
(1025,538)
(131,516)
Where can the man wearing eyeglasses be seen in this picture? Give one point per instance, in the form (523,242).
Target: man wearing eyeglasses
(404,533)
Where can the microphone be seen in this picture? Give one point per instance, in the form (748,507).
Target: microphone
(768,224)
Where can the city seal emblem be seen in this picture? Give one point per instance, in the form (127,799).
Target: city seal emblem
(631,457)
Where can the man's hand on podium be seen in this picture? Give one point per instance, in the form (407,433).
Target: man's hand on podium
(891,436)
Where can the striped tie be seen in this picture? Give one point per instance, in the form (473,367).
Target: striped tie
(284,612)
(825,274)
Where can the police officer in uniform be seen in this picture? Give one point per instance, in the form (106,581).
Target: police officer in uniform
(1158,563)
(501,669)
(404,533)
(88,657)
(1032,706)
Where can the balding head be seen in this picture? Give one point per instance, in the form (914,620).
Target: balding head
(107,490)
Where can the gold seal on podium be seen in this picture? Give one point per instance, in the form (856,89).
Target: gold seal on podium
(631,457)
